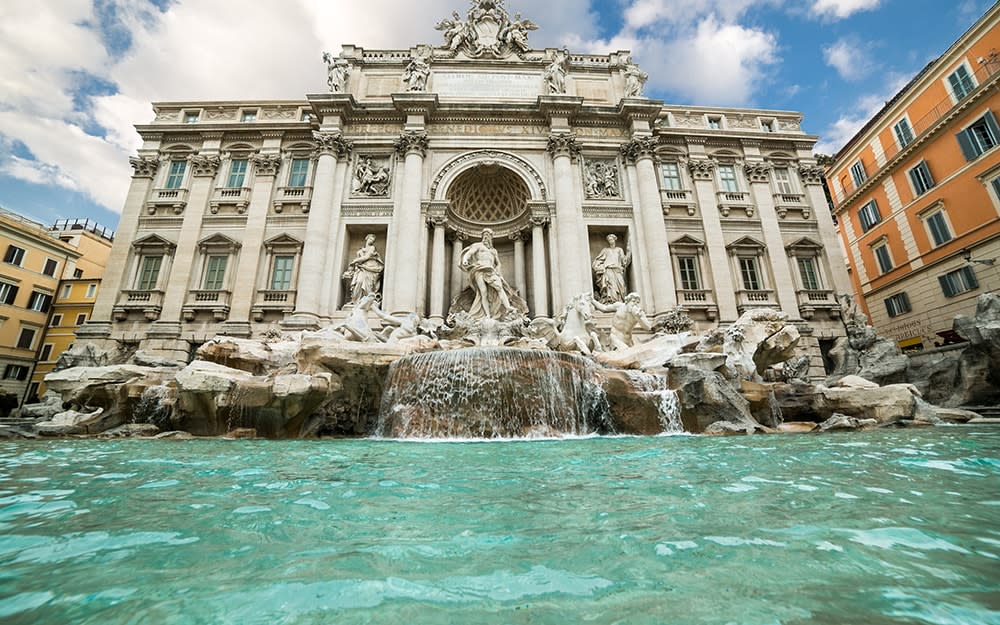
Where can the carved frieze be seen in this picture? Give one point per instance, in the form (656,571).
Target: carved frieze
(144,166)
(266,164)
(641,147)
(220,114)
(758,172)
(688,120)
(563,144)
(412,142)
(279,113)
(372,176)
(600,179)
(702,168)
(204,166)
(332,143)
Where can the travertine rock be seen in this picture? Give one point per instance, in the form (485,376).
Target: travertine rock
(707,397)
(886,404)
(654,353)
(759,339)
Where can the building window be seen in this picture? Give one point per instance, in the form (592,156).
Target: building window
(81,319)
(66,291)
(961,82)
(91,290)
(858,173)
(898,304)
(281,274)
(191,117)
(50,267)
(727,179)
(175,175)
(248,116)
(904,134)
(869,216)
(690,279)
(237,173)
(56,321)
(299,171)
(149,272)
(215,273)
(46,352)
(15,372)
(671,177)
(921,178)
(979,137)
(26,338)
(39,302)
(783,180)
(78,273)
(809,275)
(8,293)
(937,225)
(14,255)
(883,257)
(715,123)
(750,273)
(959,281)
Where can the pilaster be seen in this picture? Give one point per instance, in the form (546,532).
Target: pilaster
(758,176)
(573,257)
(812,180)
(412,145)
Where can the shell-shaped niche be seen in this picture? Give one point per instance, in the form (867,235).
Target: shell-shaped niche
(488,194)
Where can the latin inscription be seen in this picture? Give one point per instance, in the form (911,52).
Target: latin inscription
(487,85)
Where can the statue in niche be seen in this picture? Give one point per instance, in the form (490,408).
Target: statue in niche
(371,178)
(609,271)
(555,73)
(416,73)
(365,272)
(491,297)
(337,71)
(628,315)
(601,180)
(635,79)
(515,34)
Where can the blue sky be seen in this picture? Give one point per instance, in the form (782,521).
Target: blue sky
(75,75)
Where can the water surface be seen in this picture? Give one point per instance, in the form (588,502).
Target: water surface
(883,527)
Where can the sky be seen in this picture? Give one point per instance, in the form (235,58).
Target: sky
(77,75)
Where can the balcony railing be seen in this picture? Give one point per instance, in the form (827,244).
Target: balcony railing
(269,300)
(238,197)
(729,200)
(215,301)
(755,299)
(681,198)
(176,199)
(784,202)
(286,196)
(811,300)
(150,302)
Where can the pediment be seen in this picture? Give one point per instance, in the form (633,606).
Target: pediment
(687,241)
(219,241)
(153,241)
(283,241)
(746,243)
(805,243)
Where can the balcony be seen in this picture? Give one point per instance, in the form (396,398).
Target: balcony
(748,300)
(292,196)
(216,302)
(784,202)
(811,300)
(174,199)
(238,197)
(728,200)
(702,300)
(273,301)
(680,198)
(150,303)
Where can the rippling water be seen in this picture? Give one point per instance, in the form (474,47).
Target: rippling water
(882,527)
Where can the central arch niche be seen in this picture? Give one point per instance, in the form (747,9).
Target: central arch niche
(488,195)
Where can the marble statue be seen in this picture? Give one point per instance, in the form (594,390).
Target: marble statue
(601,180)
(365,271)
(627,316)
(515,34)
(355,328)
(416,73)
(635,79)
(371,178)
(398,327)
(456,31)
(336,73)
(555,73)
(609,271)
(482,263)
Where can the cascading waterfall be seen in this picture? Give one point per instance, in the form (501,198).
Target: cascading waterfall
(493,393)
(667,403)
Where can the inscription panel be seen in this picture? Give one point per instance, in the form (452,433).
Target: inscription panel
(487,85)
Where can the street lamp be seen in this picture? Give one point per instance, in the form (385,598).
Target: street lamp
(967,256)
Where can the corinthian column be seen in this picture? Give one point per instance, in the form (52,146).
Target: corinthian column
(812,179)
(437,268)
(457,274)
(309,290)
(640,151)
(405,283)
(520,276)
(759,176)
(540,291)
(703,174)
(573,257)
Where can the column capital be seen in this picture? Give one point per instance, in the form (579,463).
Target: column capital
(812,174)
(204,166)
(563,144)
(701,168)
(412,142)
(437,221)
(640,148)
(518,235)
(331,143)
(758,171)
(266,164)
(540,221)
(144,166)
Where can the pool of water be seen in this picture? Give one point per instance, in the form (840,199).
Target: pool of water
(882,527)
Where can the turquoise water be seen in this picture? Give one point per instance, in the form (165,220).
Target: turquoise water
(882,527)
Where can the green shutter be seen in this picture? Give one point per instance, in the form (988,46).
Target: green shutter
(991,123)
(968,145)
(946,286)
(970,278)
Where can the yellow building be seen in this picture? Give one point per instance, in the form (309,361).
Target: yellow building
(74,299)
(34,259)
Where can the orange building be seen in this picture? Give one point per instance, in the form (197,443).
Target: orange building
(917,195)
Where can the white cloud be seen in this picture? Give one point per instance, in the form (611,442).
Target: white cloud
(849,58)
(849,124)
(841,9)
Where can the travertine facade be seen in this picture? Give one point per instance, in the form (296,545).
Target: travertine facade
(245,215)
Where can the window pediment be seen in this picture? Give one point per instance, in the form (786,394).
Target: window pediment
(218,243)
(153,244)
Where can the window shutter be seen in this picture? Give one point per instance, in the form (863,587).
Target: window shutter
(927,173)
(991,122)
(970,278)
(11,295)
(965,142)
(946,286)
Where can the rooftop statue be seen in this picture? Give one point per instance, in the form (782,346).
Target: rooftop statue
(635,79)
(337,70)
(487,29)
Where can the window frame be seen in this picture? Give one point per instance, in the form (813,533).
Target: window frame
(968,82)
(176,174)
(787,182)
(971,143)
(753,264)
(67,290)
(864,216)
(883,245)
(31,341)
(55,321)
(292,173)
(967,277)
(39,302)
(16,370)
(714,122)
(54,264)
(81,319)
(245,164)
(903,122)
(214,275)
(248,116)
(817,278)
(142,282)
(858,173)
(937,213)
(43,355)
(694,269)
(91,290)
(286,284)
(664,178)
(15,255)
(723,180)
(8,295)
(921,180)
(188,115)
(898,304)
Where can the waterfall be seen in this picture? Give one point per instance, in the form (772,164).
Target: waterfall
(667,403)
(489,393)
